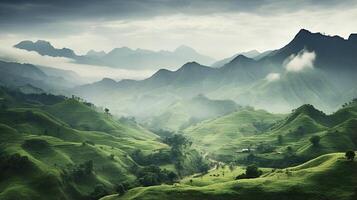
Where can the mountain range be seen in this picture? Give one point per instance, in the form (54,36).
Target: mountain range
(313,68)
(123,57)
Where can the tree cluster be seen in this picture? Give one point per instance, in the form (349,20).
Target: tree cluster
(252,171)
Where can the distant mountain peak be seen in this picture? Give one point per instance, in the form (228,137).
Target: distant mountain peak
(304,35)
(185,48)
(44,47)
(353,37)
(44,43)
(241,59)
(120,49)
(303,32)
(95,53)
(190,65)
(108,80)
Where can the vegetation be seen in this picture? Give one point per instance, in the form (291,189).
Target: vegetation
(315,140)
(350,155)
(251,171)
(69,150)
(326,177)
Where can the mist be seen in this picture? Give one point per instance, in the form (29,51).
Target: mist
(89,73)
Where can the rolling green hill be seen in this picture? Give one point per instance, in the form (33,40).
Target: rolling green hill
(329,176)
(184,113)
(220,136)
(53,147)
(255,136)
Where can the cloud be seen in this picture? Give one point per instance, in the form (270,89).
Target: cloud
(88,72)
(272,77)
(303,60)
(215,28)
(45,11)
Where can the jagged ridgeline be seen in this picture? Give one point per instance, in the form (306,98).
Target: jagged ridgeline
(53,147)
(312,69)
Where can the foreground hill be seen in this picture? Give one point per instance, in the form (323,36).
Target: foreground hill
(329,176)
(52,147)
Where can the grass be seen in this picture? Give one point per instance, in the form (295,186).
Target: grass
(221,135)
(222,138)
(329,176)
(56,137)
(59,136)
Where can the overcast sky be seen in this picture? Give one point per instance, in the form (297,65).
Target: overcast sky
(218,28)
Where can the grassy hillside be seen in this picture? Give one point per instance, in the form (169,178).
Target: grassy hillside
(220,136)
(255,136)
(58,148)
(184,113)
(329,176)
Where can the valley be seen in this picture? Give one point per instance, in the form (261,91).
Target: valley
(178,100)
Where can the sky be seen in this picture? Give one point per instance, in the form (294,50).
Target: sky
(217,28)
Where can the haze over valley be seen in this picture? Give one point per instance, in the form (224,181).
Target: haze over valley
(121,100)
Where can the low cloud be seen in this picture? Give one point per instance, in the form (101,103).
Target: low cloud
(272,77)
(303,60)
(88,72)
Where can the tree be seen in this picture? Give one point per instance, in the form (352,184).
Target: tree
(300,130)
(172,176)
(120,189)
(289,150)
(231,166)
(149,179)
(280,139)
(252,171)
(106,110)
(350,155)
(315,140)
(88,167)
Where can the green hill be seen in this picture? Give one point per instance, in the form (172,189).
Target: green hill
(53,147)
(220,136)
(329,176)
(184,113)
(255,136)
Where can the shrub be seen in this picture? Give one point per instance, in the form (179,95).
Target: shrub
(252,171)
(315,140)
(120,189)
(350,155)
